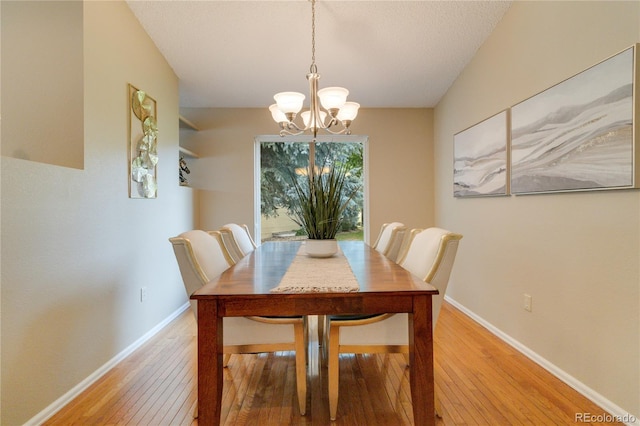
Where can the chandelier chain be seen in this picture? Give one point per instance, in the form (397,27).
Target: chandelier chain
(313,68)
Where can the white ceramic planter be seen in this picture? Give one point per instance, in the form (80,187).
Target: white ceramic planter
(321,248)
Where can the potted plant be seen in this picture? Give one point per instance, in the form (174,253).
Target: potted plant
(322,196)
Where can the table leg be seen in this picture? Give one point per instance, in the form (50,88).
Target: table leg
(210,355)
(421,359)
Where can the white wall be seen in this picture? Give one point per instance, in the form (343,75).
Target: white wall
(75,248)
(577,254)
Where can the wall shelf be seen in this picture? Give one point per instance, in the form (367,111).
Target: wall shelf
(187,153)
(184,153)
(186,124)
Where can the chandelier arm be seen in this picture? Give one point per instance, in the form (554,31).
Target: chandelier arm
(293,125)
(342,131)
(334,121)
(285,132)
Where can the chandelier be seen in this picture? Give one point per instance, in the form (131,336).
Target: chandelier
(336,113)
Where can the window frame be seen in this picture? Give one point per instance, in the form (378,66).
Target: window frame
(258,140)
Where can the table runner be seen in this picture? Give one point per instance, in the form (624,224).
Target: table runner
(318,275)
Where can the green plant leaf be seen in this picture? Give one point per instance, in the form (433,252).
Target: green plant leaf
(321,199)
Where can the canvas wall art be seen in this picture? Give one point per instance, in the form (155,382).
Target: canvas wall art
(480,158)
(578,134)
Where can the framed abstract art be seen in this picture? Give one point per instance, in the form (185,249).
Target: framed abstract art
(578,134)
(480,158)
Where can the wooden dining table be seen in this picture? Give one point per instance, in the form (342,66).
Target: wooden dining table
(245,290)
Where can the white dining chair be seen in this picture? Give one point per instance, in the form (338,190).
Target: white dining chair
(390,239)
(201,257)
(237,240)
(430,254)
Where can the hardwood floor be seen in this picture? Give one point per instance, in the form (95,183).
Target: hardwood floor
(480,380)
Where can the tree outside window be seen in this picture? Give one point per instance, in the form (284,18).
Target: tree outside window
(279,161)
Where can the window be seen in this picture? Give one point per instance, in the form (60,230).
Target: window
(278,160)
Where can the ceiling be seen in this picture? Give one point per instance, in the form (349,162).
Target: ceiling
(387,53)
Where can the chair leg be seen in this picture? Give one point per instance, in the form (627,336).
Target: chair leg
(321,325)
(225,361)
(195,411)
(325,339)
(301,365)
(333,361)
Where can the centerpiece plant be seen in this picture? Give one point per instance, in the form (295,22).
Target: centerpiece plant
(321,197)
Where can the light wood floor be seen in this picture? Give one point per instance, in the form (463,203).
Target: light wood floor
(480,380)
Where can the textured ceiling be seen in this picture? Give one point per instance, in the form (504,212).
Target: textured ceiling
(387,53)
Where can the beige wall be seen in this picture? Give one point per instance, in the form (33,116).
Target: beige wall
(43,56)
(281,223)
(400,163)
(75,249)
(401,185)
(577,254)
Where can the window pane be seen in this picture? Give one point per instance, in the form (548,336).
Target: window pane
(280,162)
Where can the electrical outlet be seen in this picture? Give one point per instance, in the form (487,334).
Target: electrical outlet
(143,294)
(527,302)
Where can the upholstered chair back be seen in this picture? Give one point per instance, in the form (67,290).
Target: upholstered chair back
(390,239)
(237,240)
(430,255)
(201,257)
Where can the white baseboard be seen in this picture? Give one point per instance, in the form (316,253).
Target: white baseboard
(54,407)
(617,413)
